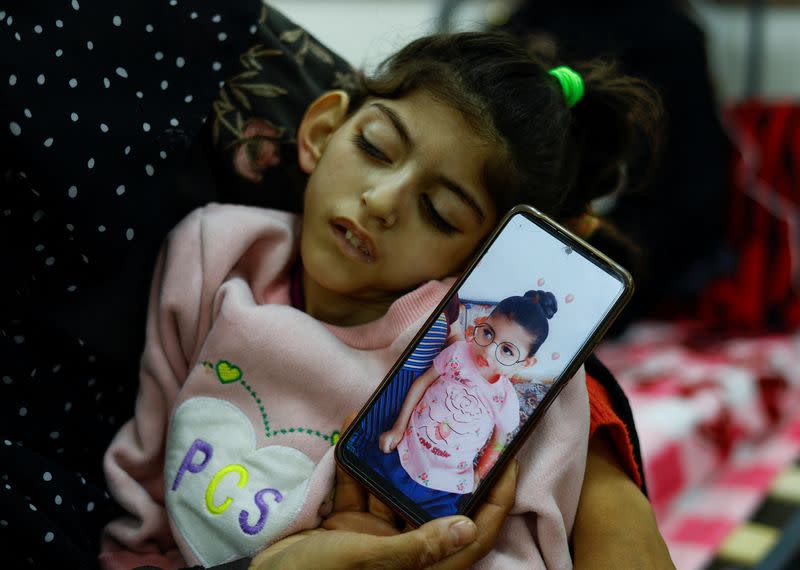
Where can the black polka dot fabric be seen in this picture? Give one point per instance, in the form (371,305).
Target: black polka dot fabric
(100,102)
(116,120)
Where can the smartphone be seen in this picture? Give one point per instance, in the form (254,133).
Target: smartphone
(482,371)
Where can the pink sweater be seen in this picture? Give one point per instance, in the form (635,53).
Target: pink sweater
(241,396)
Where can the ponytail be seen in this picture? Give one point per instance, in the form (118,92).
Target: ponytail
(618,120)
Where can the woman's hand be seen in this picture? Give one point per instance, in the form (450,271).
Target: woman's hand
(361,533)
(615,527)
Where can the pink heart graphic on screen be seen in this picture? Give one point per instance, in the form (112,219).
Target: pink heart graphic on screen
(555,356)
(540,282)
(569,298)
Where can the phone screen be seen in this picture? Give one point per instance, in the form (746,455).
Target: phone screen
(514,328)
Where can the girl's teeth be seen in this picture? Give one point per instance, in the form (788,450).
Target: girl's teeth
(348,235)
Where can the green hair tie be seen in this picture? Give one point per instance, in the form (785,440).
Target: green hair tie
(571,83)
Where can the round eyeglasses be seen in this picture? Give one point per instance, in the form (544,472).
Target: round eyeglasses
(506,353)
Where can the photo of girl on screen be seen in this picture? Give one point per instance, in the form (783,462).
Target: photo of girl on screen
(450,410)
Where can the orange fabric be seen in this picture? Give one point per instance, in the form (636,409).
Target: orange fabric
(604,419)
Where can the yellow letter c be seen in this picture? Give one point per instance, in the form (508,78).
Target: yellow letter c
(212,487)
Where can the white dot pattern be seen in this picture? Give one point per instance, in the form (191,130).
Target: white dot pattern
(102,123)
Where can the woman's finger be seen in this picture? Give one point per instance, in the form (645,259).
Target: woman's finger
(489,520)
(348,494)
(417,549)
(380,510)
(499,500)
(424,546)
(359,522)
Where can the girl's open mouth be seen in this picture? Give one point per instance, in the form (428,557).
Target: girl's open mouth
(355,244)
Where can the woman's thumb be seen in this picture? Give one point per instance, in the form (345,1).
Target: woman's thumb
(430,543)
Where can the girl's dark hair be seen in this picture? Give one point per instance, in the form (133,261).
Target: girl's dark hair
(556,158)
(531,312)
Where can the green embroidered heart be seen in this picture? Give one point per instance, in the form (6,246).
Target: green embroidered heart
(227,372)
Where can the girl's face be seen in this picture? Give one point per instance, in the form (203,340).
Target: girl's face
(395,197)
(500,347)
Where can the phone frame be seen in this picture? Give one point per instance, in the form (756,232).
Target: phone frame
(416,516)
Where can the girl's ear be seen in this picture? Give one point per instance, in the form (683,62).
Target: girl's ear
(320,121)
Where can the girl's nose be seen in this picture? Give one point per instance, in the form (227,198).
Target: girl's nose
(386,201)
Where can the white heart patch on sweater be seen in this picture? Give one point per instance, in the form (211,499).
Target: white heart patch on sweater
(227,498)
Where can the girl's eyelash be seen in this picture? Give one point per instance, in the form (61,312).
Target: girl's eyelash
(427,206)
(361,142)
(435,218)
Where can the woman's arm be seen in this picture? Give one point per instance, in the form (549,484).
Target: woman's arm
(614,526)
(389,440)
(361,532)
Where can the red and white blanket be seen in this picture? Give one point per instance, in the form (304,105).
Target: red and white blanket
(714,421)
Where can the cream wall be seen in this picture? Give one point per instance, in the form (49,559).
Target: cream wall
(728,31)
(365,31)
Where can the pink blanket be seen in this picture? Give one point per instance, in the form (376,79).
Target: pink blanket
(712,419)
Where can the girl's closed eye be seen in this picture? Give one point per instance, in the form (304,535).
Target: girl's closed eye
(370,149)
(429,211)
(426,204)
(434,217)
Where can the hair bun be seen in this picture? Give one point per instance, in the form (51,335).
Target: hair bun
(546,300)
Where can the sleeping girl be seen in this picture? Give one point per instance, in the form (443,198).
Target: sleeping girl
(461,403)
(266,329)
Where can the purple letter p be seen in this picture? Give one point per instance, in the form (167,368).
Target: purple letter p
(187,465)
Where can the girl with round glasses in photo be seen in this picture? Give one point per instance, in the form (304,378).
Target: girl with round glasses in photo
(462,404)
